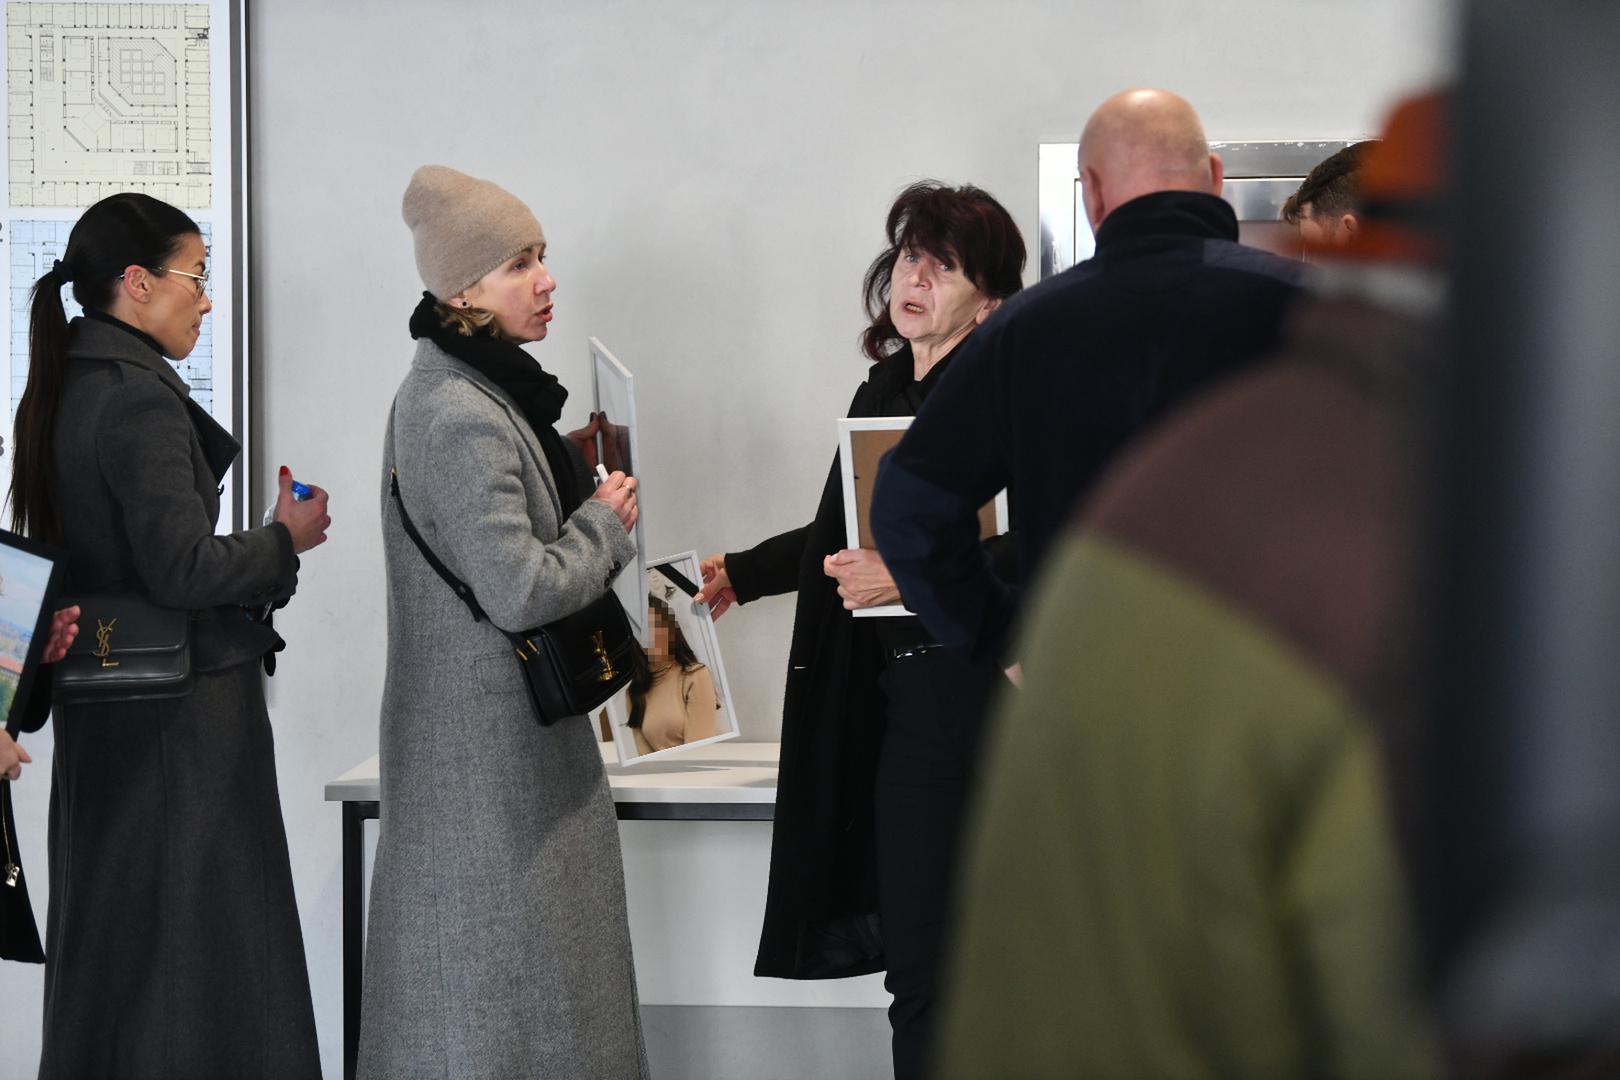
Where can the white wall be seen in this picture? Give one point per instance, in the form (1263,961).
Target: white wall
(712,178)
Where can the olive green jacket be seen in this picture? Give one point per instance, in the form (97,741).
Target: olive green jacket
(1185,862)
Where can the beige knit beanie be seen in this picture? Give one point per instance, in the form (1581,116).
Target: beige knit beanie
(463,227)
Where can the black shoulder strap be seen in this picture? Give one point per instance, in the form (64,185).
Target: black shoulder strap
(678,579)
(459,587)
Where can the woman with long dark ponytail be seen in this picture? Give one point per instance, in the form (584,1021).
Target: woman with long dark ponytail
(173,941)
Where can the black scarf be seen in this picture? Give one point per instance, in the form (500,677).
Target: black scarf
(537,393)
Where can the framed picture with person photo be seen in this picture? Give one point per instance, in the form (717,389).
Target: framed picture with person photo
(679,697)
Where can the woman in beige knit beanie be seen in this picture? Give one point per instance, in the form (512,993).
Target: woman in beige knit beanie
(498,942)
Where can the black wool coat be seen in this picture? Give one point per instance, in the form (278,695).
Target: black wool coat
(821,904)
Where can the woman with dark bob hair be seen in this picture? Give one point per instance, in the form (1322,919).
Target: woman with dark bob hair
(173,945)
(880,725)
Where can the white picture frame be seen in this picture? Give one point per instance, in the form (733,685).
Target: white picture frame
(862,442)
(696,629)
(613,393)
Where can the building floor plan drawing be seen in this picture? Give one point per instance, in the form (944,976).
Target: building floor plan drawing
(142,97)
(35,245)
(108,97)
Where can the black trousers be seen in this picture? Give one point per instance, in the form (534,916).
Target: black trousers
(935,713)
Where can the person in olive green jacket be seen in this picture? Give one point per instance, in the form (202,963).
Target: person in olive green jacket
(1188,856)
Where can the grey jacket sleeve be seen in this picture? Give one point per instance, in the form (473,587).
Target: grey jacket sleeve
(143,445)
(485,532)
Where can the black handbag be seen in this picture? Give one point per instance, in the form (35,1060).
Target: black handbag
(571,665)
(128,649)
(19,933)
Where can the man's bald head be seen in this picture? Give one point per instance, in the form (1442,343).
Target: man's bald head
(1139,142)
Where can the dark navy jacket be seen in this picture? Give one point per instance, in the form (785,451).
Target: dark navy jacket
(1044,394)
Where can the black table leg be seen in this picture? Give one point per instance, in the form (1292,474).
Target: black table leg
(354,925)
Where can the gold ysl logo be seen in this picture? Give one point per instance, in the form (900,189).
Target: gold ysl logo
(608,674)
(104,643)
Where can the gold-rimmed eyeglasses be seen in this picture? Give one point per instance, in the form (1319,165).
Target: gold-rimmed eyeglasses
(200,279)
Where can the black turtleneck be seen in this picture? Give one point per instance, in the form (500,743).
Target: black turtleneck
(1182,214)
(895,387)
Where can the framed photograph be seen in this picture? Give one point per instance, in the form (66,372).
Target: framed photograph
(614,392)
(30,578)
(681,699)
(862,442)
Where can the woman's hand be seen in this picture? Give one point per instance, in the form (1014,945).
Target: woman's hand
(863,580)
(12,757)
(64,628)
(618,491)
(717,591)
(308,520)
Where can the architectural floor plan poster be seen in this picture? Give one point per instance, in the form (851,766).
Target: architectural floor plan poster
(103,98)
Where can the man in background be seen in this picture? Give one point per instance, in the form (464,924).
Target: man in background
(1326,205)
(1066,373)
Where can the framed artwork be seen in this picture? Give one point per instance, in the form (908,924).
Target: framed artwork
(30,578)
(680,699)
(862,442)
(614,423)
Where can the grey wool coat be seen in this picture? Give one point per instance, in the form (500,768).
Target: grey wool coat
(173,944)
(498,942)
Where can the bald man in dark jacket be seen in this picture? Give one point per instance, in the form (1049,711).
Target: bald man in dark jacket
(1066,373)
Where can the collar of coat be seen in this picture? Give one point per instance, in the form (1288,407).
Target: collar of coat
(108,339)
(1191,214)
(430,356)
(538,395)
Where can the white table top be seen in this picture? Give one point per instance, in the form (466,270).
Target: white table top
(725,772)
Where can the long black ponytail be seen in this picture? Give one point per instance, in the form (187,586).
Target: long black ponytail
(122,230)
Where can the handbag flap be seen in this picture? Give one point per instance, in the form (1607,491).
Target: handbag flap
(126,624)
(594,644)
